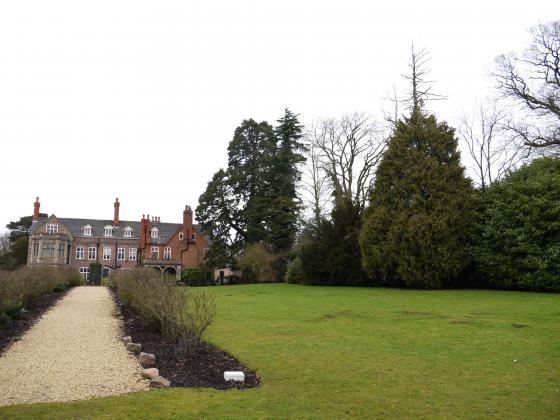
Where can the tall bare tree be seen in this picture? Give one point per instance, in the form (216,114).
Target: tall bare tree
(315,183)
(420,86)
(487,138)
(532,82)
(348,151)
(4,243)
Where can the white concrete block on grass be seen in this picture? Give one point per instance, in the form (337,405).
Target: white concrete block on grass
(234,376)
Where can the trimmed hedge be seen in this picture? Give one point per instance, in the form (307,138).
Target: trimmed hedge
(95,271)
(23,288)
(517,245)
(195,277)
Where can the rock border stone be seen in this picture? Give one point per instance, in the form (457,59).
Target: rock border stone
(150,373)
(134,347)
(147,359)
(159,382)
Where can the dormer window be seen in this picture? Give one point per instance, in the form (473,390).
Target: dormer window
(52,229)
(108,230)
(154,232)
(87,230)
(127,232)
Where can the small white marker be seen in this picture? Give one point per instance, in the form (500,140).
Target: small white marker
(234,376)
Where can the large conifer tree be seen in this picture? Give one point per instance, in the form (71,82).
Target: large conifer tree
(416,230)
(255,200)
(250,158)
(283,201)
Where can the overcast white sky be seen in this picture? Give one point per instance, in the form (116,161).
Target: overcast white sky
(139,99)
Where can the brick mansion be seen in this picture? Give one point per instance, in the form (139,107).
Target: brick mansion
(116,244)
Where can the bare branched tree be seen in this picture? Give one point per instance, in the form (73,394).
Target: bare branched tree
(420,86)
(486,135)
(392,115)
(315,182)
(532,82)
(348,151)
(4,243)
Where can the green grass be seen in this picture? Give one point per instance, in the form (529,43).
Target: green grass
(343,352)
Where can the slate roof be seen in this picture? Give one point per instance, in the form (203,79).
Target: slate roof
(166,230)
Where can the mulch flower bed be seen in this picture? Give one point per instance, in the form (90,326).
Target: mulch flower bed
(204,370)
(11,330)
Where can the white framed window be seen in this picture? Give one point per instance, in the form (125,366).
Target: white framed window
(84,271)
(167,253)
(92,253)
(35,249)
(106,253)
(127,232)
(108,230)
(120,254)
(52,229)
(132,254)
(181,236)
(154,232)
(154,253)
(80,253)
(87,230)
(193,236)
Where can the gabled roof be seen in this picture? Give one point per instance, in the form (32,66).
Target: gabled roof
(75,226)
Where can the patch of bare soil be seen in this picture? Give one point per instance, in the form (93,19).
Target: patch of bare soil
(462,321)
(203,370)
(416,313)
(13,329)
(337,314)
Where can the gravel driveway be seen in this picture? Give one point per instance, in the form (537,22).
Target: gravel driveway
(73,352)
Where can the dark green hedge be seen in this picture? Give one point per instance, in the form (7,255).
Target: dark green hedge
(517,245)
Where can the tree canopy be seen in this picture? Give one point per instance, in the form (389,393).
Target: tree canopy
(517,242)
(415,232)
(255,199)
(532,82)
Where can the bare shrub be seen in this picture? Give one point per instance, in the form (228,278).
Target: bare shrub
(182,315)
(24,287)
(257,263)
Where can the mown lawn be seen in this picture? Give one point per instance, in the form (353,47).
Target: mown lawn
(353,352)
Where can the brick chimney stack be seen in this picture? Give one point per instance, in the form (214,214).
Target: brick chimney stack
(116,215)
(147,231)
(144,223)
(187,222)
(36,208)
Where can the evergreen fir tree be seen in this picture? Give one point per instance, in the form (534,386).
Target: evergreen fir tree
(332,256)
(415,232)
(283,200)
(251,155)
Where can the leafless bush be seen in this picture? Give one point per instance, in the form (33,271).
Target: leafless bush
(257,263)
(24,287)
(182,315)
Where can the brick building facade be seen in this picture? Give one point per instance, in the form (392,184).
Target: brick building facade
(116,244)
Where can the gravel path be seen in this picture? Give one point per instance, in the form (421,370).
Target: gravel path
(73,352)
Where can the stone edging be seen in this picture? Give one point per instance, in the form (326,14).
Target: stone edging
(146,360)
